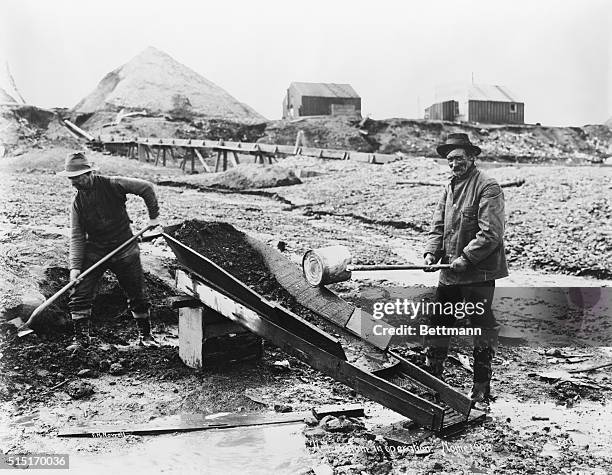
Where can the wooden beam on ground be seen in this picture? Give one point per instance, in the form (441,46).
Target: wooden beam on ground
(348,410)
(187,423)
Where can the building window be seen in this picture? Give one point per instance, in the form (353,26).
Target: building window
(513,108)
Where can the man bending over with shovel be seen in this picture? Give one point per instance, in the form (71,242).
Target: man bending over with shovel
(100,224)
(467,232)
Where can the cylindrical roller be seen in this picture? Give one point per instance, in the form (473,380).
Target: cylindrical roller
(326,265)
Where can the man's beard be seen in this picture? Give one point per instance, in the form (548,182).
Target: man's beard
(82,187)
(462,169)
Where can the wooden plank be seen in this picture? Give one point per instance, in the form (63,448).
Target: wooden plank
(253,148)
(348,410)
(186,423)
(202,161)
(218,162)
(274,313)
(191,336)
(359,157)
(333,154)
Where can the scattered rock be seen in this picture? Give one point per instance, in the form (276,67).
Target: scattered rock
(282,365)
(283,408)
(116,369)
(79,389)
(87,373)
(323,469)
(339,424)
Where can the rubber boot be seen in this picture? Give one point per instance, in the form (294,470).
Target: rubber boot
(485,347)
(145,338)
(81,334)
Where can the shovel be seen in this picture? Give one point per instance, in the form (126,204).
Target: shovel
(25,328)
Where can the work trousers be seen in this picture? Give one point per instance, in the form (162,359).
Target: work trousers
(480,295)
(127,268)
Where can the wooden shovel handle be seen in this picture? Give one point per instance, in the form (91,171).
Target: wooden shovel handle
(399,267)
(72,283)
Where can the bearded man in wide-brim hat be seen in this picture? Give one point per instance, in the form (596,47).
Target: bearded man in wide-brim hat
(99,224)
(467,232)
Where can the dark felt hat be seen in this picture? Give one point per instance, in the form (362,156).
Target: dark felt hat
(454,141)
(77,164)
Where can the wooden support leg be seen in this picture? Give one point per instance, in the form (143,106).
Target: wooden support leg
(193,157)
(236,161)
(164,157)
(224,160)
(218,161)
(201,159)
(157,156)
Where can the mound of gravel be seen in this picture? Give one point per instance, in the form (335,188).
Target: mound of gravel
(156,82)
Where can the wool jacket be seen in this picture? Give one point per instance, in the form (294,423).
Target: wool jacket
(469,221)
(99,219)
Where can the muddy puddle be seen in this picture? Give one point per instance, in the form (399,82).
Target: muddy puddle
(253,450)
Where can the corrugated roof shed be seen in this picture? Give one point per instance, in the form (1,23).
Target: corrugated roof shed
(489,92)
(320,89)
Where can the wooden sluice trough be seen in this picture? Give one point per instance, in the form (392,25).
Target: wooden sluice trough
(403,387)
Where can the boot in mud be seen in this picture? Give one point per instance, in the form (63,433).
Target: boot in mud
(82,338)
(485,346)
(145,338)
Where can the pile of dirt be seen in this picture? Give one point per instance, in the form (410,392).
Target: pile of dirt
(155,82)
(30,366)
(255,176)
(229,248)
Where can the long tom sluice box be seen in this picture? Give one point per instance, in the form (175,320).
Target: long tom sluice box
(402,387)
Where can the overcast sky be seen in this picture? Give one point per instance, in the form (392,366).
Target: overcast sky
(555,55)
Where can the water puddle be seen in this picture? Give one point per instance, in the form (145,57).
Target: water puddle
(247,450)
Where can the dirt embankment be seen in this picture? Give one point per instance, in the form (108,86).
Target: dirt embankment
(525,144)
(24,127)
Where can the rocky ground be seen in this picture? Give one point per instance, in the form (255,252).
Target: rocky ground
(543,421)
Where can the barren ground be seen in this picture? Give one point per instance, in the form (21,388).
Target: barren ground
(558,231)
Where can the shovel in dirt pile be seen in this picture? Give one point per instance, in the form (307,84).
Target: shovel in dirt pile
(25,329)
(332,264)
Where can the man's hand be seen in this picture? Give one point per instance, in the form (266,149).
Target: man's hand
(153,223)
(74,273)
(430,260)
(459,265)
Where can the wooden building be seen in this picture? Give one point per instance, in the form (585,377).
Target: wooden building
(315,98)
(483,103)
